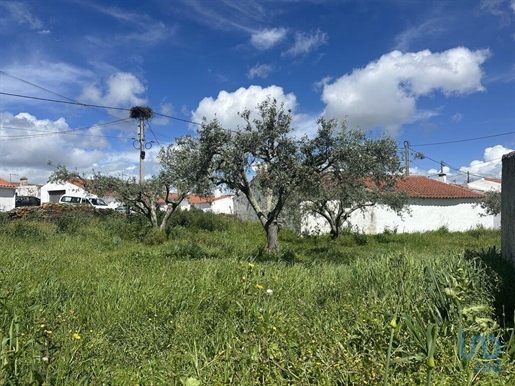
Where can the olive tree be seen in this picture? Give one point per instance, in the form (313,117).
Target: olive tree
(491,202)
(178,177)
(357,172)
(261,159)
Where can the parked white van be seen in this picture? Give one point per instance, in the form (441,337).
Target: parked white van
(94,201)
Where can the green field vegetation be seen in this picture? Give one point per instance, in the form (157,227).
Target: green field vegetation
(101,300)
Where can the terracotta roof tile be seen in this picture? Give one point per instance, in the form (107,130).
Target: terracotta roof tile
(193,199)
(424,187)
(6,184)
(493,180)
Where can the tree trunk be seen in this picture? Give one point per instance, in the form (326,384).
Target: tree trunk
(272,237)
(334,233)
(153,216)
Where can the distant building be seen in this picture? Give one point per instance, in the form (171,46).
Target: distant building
(52,191)
(24,188)
(217,204)
(7,195)
(431,205)
(485,185)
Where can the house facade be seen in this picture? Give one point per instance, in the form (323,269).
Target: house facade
(431,205)
(485,185)
(7,195)
(24,188)
(52,192)
(217,204)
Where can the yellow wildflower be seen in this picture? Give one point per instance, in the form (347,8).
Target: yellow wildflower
(76,336)
(259,286)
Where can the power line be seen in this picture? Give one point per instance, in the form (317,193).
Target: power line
(455,168)
(65,102)
(54,93)
(178,119)
(465,140)
(67,132)
(154,134)
(70,102)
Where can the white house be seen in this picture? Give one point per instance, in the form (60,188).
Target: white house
(485,185)
(52,191)
(215,204)
(23,188)
(431,205)
(7,195)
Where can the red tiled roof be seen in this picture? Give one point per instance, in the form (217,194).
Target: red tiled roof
(6,184)
(193,199)
(493,180)
(423,187)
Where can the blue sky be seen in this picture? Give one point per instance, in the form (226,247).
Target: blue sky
(421,71)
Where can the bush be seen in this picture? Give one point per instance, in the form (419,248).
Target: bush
(36,231)
(198,219)
(154,236)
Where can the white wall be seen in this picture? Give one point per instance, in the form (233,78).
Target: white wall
(28,190)
(483,185)
(6,199)
(425,215)
(223,205)
(69,189)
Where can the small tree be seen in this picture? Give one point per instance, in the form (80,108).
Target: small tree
(491,203)
(178,174)
(357,172)
(262,158)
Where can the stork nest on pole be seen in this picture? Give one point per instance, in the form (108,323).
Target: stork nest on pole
(144,112)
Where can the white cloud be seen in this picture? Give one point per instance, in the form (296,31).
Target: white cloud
(227,105)
(512,5)
(28,143)
(260,70)
(32,142)
(60,77)
(457,117)
(121,89)
(166,109)
(306,43)
(491,165)
(385,92)
(428,29)
(268,38)
(21,14)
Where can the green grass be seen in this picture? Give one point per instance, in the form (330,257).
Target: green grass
(194,306)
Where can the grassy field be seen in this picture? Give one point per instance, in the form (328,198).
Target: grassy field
(101,300)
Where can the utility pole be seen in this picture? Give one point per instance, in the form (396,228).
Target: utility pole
(141,113)
(406,158)
(141,138)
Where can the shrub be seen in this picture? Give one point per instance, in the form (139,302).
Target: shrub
(198,219)
(154,236)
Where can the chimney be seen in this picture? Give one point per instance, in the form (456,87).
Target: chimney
(442,176)
(23,181)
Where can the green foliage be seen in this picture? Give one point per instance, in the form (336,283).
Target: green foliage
(154,236)
(36,231)
(202,308)
(199,220)
(491,203)
(356,173)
